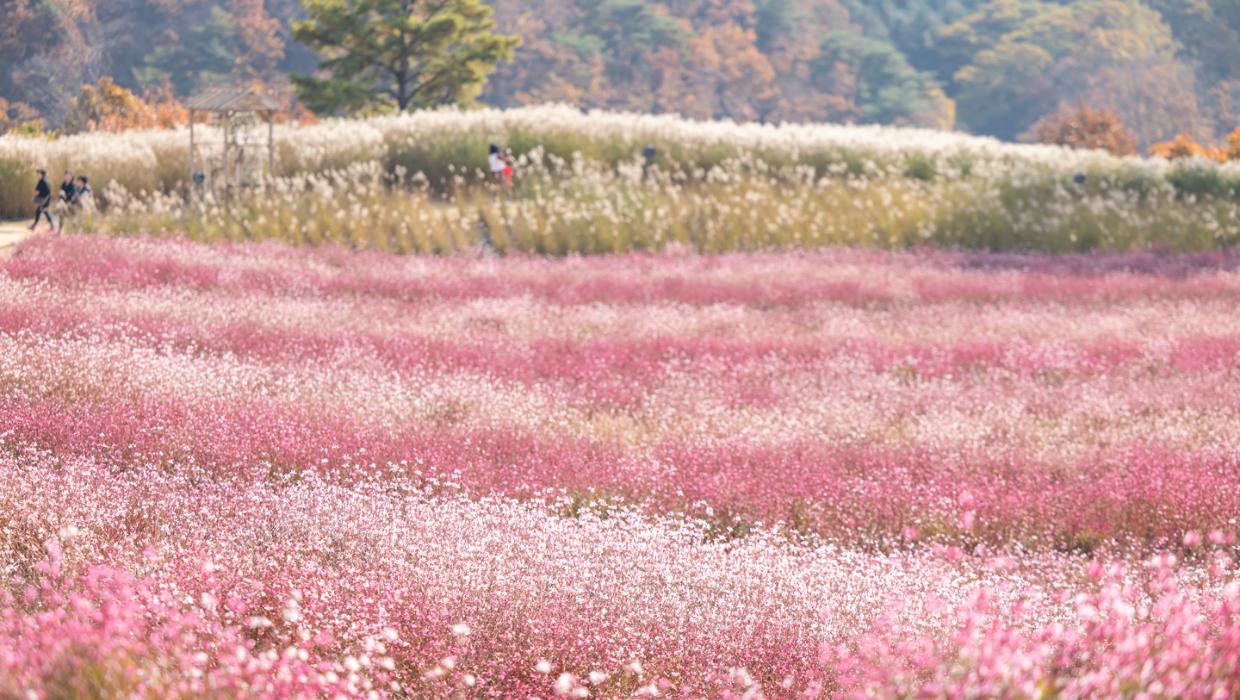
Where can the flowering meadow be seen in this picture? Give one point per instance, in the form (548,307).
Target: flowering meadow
(414,183)
(255,469)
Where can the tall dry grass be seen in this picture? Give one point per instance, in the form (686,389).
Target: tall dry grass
(413,183)
(563,208)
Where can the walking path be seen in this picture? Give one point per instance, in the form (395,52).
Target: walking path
(12,233)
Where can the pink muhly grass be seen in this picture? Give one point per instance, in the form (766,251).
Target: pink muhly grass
(258,470)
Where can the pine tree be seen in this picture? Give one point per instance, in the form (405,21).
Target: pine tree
(403,54)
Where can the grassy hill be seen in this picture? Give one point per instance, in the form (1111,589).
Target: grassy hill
(414,183)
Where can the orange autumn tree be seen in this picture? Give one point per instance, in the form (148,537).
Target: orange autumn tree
(1233,145)
(1185,146)
(261,46)
(110,107)
(1085,127)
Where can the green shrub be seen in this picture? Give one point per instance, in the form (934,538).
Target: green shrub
(1198,179)
(921,167)
(16,188)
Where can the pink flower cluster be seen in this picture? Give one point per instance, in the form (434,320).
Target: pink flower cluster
(104,633)
(298,588)
(852,395)
(282,472)
(1164,646)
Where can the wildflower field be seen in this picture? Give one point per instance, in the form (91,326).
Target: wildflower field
(254,469)
(413,183)
(774,411)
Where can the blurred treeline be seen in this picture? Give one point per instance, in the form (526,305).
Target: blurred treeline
(996,67)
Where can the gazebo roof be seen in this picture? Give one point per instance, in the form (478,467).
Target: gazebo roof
(225,100)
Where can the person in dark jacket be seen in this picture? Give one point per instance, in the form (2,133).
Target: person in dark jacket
(68,192)
(79,198)
(83,194)
(42,199)
(67,188)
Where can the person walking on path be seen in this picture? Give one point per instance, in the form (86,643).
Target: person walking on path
(84,193)
(68,192)
(77,198)
(42,200)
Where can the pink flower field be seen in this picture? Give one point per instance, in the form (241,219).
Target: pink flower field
(257,470)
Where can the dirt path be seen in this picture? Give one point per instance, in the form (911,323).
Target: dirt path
(12,233)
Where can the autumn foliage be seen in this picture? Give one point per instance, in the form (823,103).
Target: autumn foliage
(14,115)
(1233,145)
(1184,146)
(110,107)
(992,67)
(1085,127)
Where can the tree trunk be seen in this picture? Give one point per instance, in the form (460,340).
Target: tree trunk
(402,77)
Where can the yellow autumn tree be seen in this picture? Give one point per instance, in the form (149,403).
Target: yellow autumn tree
(110,107)
(1233,145)
(1185,146)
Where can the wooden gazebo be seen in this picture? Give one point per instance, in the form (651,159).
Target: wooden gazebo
(233,110)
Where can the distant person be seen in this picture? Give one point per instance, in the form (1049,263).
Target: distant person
(81,197)
(68,192)
(67,188)
(84,194)
(501,166)
(42,199)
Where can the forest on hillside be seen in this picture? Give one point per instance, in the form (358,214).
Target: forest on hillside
(995,67)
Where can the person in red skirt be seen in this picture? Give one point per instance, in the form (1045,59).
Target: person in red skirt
(501,166)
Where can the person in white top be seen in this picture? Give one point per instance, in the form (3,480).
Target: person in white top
(496,161)
(501,166)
